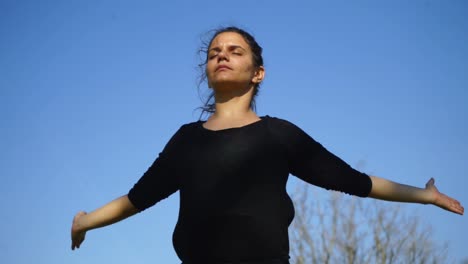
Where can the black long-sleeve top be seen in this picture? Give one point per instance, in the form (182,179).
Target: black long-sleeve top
(232,184)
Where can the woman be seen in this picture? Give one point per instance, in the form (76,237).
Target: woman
(231,171)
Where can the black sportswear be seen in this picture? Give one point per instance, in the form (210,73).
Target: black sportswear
(232,185)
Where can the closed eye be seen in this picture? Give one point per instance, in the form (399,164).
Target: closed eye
(236,50)
(212,55)
(233,49)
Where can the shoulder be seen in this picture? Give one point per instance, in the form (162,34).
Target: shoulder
(184,130)
(286,130)
(277,124)
(191,125)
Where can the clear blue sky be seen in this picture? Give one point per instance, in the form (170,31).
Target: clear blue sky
(90,92)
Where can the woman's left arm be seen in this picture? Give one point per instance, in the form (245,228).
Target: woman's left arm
(391,191)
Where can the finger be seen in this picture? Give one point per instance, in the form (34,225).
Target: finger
(76,241)
(430,182)
(459,208)
(73,240)
(456,207)
(75,244)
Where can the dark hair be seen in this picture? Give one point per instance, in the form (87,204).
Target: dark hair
(209,105)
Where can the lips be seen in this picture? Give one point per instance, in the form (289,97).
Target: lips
(222,67)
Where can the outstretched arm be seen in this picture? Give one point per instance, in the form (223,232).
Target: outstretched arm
(391,191)
(108,214)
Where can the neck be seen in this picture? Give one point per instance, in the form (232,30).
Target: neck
(233,103)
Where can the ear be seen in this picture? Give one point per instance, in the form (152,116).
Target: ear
(259,75)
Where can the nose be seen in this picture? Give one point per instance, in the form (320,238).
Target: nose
(223,55)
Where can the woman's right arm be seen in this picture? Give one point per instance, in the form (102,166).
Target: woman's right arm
(108,214)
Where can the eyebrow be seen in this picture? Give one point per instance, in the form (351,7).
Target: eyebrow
(231,47)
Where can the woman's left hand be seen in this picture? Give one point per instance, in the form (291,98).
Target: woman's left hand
(443,201)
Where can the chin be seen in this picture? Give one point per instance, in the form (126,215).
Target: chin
(227,85)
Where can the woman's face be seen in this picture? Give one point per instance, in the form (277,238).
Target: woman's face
(230,63)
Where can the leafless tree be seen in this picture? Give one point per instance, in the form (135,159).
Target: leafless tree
(331,227)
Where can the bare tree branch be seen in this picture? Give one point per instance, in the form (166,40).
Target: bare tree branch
(338,228)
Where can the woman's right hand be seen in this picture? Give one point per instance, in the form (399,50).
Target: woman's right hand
(108,214)
(78,232)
